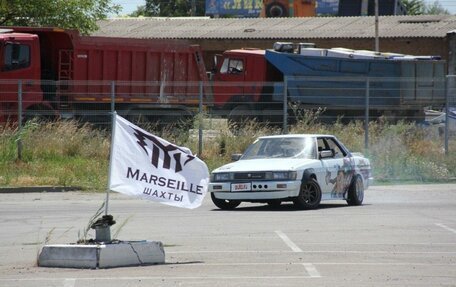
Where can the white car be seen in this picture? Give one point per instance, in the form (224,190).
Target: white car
(305,169)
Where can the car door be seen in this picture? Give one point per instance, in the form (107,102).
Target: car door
(338,169)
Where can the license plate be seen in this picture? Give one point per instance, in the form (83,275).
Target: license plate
(241,187)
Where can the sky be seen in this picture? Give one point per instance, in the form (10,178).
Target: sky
(130,5)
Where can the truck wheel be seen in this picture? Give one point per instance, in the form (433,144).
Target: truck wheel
(137,117)
(276,9)
(39,114)
(239,116)
(225,204)
(309,195)
(356,192)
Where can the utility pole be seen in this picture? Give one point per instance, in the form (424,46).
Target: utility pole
(377,44)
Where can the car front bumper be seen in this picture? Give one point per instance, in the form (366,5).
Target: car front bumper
(260,190)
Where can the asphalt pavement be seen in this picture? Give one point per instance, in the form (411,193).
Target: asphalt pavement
(402,236)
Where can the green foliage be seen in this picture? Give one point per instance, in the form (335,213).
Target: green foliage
(69,154)
(420,7)
(69,14)
(414,7)
(172,8)
(435,8)
(56,153)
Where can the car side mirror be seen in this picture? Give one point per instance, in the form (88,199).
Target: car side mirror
(236,156)
(326,154)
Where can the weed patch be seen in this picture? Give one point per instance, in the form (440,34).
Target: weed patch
(66,153)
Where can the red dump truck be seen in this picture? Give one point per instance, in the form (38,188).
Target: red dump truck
(68,75)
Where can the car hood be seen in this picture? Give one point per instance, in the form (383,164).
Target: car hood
(266,165)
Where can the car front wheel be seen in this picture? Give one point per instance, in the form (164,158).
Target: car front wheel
(309,195)
(224,204)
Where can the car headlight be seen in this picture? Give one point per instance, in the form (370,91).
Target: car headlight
(222,176)
(284,175)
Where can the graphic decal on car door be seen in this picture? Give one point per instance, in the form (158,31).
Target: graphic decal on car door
(341,182)
(338,168)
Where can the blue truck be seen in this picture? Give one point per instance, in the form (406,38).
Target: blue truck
(341,81)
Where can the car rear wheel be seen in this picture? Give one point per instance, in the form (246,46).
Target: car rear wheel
(309,195)
(225,204)
(356,192)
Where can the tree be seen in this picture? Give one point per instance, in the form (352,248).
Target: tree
(171,8)
(68,14)
(436,8)
(414,7)
(419,7)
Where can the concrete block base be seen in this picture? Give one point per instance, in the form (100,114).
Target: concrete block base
(117,254)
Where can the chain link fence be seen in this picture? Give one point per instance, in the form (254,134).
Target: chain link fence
(428,102)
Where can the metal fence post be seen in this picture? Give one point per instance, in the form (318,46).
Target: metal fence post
(285,106)
(366,116)
(200,119)
(447,110)
(19,117)
(113,97)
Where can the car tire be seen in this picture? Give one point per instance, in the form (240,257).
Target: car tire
(275,203)
(309,195)
(224,204)
(356,191)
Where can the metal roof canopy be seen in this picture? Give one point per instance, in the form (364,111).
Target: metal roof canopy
(422,26)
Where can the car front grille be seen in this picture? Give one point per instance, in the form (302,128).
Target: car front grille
(250,175)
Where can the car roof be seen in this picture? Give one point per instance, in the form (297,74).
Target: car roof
(296,136)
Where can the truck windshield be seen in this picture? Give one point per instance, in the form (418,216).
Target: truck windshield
(15,56)
(299,148)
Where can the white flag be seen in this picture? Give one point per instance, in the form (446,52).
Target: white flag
(149,167)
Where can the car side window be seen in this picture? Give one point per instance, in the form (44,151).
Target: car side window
(322,144)
(337,151)
(329,144)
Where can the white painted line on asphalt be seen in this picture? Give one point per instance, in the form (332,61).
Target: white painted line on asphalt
(311,270)
(288,241)
(311,251)
(160,278)
(69,282)
(446,227)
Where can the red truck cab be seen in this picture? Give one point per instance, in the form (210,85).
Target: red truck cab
(19,59)
(243,85)
(241,76)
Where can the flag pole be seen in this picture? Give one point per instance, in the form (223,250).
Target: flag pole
(113,134)
(113,131)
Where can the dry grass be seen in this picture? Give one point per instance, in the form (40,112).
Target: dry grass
(69,154)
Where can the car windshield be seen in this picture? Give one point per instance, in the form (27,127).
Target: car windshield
(299,147)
